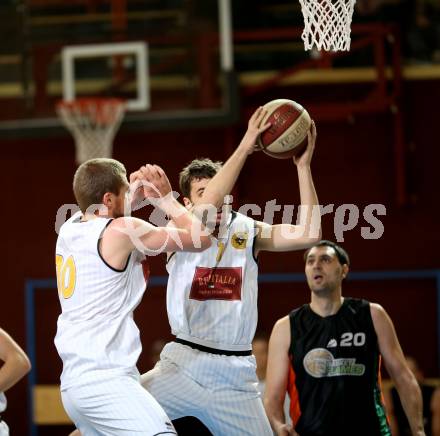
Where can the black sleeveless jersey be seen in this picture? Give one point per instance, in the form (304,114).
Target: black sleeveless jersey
(334,382)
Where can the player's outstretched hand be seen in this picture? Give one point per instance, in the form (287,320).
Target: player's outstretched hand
(254,130)
(149,182)
(155,182)
(306,157)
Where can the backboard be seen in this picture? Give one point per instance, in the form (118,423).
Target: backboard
(172,63)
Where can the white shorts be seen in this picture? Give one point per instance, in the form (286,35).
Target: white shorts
(221,391)
(4,429)
(115,407)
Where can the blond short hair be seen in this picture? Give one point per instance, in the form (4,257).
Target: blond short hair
(94,178)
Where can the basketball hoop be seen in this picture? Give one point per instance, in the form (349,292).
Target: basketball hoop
(327,24)
(93,123)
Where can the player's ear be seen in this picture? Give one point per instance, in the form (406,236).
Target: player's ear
(107,204)
(187,202)
(107,199)
(345,270)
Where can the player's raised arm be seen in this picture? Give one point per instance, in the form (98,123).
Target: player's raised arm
(288,237)
(406,383)
(223,182)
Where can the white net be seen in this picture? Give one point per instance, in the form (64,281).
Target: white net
(93,124)
(327,24)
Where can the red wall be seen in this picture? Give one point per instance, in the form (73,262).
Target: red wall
(353,164)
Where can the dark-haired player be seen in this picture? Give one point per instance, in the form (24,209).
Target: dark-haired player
(209,371)
(327,355)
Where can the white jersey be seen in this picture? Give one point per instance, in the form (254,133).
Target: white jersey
(212,295)
(3,402)
(4,429)
(96,335)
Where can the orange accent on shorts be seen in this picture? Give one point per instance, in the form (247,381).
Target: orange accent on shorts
(295,409)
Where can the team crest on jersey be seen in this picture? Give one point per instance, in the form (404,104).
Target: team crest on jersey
(320,362)
(239,240)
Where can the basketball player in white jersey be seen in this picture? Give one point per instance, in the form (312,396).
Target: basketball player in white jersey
(209,371)
(15,365)
(100,256)
(84,364)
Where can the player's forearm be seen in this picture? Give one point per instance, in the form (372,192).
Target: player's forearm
(187,221)
(411,399)
(223,182)
(13,370)
(181,217)
(275,413)
(310,213)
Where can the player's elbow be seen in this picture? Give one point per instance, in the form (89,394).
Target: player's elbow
(311,237)
(21,364)
(319,237)
(311,240)
(315,233)
(25,364)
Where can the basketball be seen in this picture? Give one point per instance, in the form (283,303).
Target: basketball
(287,136)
